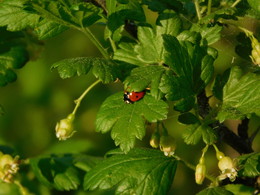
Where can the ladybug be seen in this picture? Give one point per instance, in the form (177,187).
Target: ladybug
(131,97)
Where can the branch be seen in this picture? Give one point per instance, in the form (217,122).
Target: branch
(236,142)
(203,102)
(243,128)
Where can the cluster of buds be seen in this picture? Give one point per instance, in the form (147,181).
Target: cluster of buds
(255,53)
(8,167)
(226,166)
(64,128)
(166,143)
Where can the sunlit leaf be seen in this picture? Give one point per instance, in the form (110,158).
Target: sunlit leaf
(13,15)
(249,164)
(141,171)
(126,121)
(241,95)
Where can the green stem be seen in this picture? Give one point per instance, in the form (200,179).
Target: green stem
(191,166)
(95,41)
(235,3)
(209,7)
(78,101)
(197,7)
(164,130)
(113,45)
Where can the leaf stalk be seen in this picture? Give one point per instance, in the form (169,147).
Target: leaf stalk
(197,7)
(78,101)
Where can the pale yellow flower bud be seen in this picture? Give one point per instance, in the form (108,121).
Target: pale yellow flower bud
(64,128)
(155,140)
(167,145)
(200,173)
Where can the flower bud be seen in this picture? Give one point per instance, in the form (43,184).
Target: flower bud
(155,140)
(64,128)
(200,173)
(255,53)
(227,168)
(167,145)
(219,155)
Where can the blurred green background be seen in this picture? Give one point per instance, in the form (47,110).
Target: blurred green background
(40,98)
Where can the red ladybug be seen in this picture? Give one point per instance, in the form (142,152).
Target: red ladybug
(131,97)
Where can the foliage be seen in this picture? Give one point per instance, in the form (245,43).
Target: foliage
(170,62)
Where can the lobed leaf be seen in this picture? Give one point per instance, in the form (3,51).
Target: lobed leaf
(129,11)
(126,121)
(14,57)
(57,171)
(150,48)
(191,69)
(47,29)
(145,76)
(195,132)
(241,95)
(141,171)
(103,69)
(210,34)
(219,83)
(249,164)
(15,17)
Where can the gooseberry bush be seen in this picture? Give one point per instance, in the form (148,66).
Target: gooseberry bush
(167,52)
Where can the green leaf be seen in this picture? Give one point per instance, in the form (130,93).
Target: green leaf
(141,171)
(13,15)
(194,133)
(143,77)
(103,69)
(168,23)
(210,34)
(150,48)
(249,164)
(130,11)
(14,58)
(215,191)
(86,162)
(126,121)
(190,36)
(111,6)
(184,105)
(219,83)
(175,87)
(254,4)
(74,66)
(239,189)
(127,54)
(47,29)
(57,171)
(68,13)
(241,96)
(188,118)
